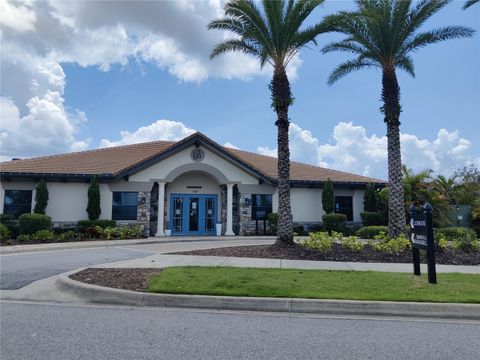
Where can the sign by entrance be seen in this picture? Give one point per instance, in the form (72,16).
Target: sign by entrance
(421,227)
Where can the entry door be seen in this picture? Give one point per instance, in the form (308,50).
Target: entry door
(193,214)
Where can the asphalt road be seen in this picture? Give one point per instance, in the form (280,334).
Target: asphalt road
(64,332)
(19,270)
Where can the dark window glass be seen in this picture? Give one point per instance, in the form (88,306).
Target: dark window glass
(261,206)
(17,202)
(124,206)
(343,205)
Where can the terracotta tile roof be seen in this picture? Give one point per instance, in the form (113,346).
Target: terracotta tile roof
(116,160)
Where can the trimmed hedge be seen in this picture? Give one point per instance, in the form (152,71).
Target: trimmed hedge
(85,224)
(11,224)
(4,232)
(369,232)
(370,218)
(334,222)
(31,223)
(453,233)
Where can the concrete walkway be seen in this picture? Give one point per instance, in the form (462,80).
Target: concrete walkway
(166,260)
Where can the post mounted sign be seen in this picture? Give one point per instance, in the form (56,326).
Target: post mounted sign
(418,225)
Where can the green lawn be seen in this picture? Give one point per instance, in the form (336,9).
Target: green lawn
(316,284)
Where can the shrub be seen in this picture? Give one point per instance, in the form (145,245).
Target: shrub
(442,242)
(44,235)
(41,197)
(334,222)
(10,223)
(370,199)
(299,230)
(352,243)
(93,232)
(4,232)
(24,237)
(93,206)
(84,224)
(372,218)
(272,221)
(394,245)
(31,223)
(328,197)
(67,235)
(319,241)
(315,228)
(369,232)
(453,233)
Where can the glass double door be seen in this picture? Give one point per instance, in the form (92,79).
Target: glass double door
(193,214)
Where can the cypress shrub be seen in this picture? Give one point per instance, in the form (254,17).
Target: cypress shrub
(369,232)
(272,219)
(328,197)
(93,206)
(41,197)
(370,198)
(31,223)
(335,222)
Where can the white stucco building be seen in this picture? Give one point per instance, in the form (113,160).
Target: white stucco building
(194,184)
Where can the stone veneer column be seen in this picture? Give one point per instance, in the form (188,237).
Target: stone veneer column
(161,209)
(143,211)
(229,230)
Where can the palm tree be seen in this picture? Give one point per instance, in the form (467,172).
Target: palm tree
(383,34)
(272,34)
(469,3)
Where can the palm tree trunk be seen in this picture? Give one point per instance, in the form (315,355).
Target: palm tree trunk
(281,99)
(392,109)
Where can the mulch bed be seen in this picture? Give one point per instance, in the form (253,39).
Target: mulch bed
(338,253)
(127,279)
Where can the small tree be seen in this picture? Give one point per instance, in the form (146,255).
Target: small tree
(370,198)
(93,207)
(328,197)
(41,197)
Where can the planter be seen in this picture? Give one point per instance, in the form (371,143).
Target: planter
(219,229)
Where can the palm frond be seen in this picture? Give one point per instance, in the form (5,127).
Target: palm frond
(406,64)
(348,67)
(434,36)
(470,3)
(235,45)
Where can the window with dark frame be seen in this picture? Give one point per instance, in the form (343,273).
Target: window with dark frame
(124,205)
(17,202)
(261,206)
(344,205)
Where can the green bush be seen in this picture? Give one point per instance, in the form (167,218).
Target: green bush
(4,232)
(352,243)
(370,199)
(67,235)
(328,197)
(442,242)
(372,218)
(315,228)
(11,224)
(31,223)
(319,241)
(272,221)
(334,222)
(84,224)
(453,233)
(369,232)
(41,197)
(394,245)
(44,235)
(299,230)
(24,237)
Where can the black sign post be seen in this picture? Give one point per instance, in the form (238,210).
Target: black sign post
(422,238)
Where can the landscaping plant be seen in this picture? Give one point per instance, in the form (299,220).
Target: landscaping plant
(273,34)
(328,197)
(93,206)
(321,241)
(31,223)
(334,222)
(41,197)
(352,243)
(383,35)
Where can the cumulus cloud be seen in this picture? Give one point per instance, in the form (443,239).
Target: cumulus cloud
(159,130)
(231,146)
(38,37)
(353,150)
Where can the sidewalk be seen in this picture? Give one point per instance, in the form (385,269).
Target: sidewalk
(166,260)
(109,243)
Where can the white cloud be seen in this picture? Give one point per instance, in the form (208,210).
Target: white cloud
(354,151)
(159,130)
(229,145)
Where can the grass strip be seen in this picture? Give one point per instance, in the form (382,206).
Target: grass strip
(316,284)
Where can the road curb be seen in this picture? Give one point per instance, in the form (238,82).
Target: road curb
(104,295)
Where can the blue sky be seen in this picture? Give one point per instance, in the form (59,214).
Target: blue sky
(106,87)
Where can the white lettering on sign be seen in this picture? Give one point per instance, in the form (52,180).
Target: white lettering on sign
(419,239)
(414,223)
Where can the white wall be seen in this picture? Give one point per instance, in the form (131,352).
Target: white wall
(306,205)
(161,169)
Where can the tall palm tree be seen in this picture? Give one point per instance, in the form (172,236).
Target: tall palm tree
(469,3)
(383,34)
(274,36)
